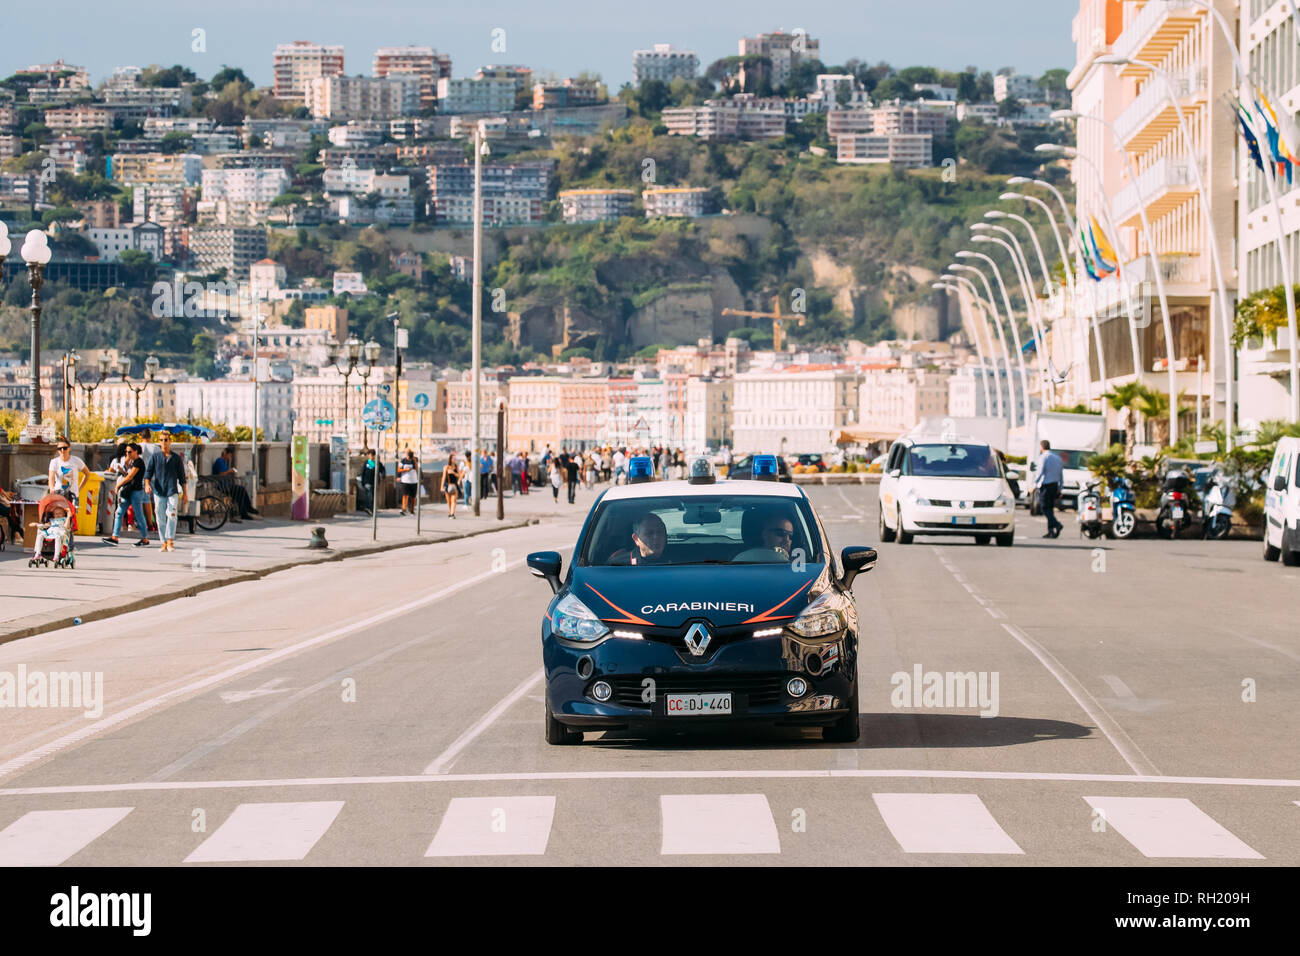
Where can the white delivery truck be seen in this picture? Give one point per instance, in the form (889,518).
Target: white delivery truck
(1075,439)
(988,428)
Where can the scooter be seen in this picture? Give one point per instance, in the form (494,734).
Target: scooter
(1175,505)
(1088,513)
(1216,518)
(1123,509)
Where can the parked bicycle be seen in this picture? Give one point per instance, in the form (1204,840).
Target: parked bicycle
(214,504)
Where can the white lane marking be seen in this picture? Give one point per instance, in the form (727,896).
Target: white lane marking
(50,837)
(270,687)
(1171,828)
(723,823)
(993,612)
(99,726)
(1038,776)
(1127,748)
(267,832)
(444,760)
(494,826)
(1117,686)
(857,512)
(942,823)
(1285,652)
(971,591)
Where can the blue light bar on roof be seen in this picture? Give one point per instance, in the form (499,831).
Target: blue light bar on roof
(765,468)
(640,468)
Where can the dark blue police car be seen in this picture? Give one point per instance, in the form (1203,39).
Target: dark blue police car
(701,602)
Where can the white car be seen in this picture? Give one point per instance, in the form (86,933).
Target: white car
(1282,504)
(945,486)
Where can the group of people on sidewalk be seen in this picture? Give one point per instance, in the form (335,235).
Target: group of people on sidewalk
(145,472)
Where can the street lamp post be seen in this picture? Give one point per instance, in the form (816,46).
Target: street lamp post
(981,315)
(1001,336)
(69,389)
(151,369)
(979,345)
(1026,290)
(105,366)
(476,363)
(36,253)
(257,338)
(397,389)
(371,351)
(1011,321)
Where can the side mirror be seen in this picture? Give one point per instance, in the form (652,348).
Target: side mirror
(1279,482)
(546,564)
(897,472)
(856,561)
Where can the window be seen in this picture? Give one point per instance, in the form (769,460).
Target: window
(952,461)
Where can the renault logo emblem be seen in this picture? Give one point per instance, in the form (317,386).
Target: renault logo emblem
(697,639)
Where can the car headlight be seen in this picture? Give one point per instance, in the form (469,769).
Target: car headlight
(574,621)
(818,619)
(1005,501)
(916,499)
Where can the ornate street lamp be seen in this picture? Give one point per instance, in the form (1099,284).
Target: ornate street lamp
(105,367)
(151,369)
(36,253)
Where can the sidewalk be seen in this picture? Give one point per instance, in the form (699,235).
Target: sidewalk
(110,580)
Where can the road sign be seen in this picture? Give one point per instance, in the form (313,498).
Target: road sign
(402,338)
(378,415)
(422,397)
(382,389)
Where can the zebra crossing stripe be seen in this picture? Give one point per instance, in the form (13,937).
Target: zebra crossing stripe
(262,832)
(943,823)
(1171,827)
(51,837)
(494,826)
(722,823)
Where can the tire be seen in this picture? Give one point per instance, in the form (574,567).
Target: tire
(1165,526)
(849,727)
(886,533)
(556,733)
(1270,553)
(1005,540)
(1093,532)
(1124,523)
(904,537)
(212,512)
(983,539)
(1290,556)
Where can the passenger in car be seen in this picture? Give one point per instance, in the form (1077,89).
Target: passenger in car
(649,541)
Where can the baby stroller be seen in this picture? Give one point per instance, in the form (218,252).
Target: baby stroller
(58,548)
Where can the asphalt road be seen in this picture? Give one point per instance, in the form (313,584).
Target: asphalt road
(387,710)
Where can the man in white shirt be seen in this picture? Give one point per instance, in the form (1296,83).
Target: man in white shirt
(66,471)
(620,461)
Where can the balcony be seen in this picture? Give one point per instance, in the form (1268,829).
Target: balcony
(1165,185)
(1155,30)
(1151,116)
(1175,268)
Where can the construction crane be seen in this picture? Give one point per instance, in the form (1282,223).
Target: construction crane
(778,321)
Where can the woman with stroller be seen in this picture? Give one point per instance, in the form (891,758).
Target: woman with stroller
(451,484)
(57,529)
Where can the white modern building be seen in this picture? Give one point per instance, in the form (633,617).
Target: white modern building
(297,64)
(339,98)
(231,403)
(895,399)
(1015,86)
(663,63)
(792,410)
(244,185)
(708,413)
(675,201)
(476,94)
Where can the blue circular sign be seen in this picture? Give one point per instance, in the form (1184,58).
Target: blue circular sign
(378,415)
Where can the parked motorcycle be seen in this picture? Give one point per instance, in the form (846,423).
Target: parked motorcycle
(1123,509)
(1216,513)
(1089,511)
(1175,504)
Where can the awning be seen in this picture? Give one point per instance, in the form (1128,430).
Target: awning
(864,436)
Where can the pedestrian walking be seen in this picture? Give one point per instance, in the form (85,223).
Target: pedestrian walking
(571,471)
(1050,472)
(524,470)
(129,488)
(588,472)
(620,466)
(516,466)
(408,476)
(557,479)
(467,476)
(164,479)
(451,485)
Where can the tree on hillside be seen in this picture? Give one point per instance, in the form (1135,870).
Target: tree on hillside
(172,76)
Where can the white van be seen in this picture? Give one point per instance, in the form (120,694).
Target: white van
(945,486)
(1282,504)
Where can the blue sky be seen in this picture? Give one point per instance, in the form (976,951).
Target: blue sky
(562,36)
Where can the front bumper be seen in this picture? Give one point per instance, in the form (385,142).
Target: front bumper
(644,673)
(938,519)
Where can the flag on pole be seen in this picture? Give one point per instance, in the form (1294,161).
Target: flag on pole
(1284,136)
(1086,255)
(1107,258)
(1251,141)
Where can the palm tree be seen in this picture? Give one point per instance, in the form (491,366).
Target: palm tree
(1123,398)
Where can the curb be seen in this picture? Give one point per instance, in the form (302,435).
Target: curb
(56,620)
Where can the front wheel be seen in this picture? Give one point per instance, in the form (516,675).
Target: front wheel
(212,512)
(1005,540)
(1165,526)
(1125,522)
(1290,556)
(886,532)
(849,727)
(556,733)
(904,537)
(982,539)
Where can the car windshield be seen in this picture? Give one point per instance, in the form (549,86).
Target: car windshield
(952,461)
(702,529)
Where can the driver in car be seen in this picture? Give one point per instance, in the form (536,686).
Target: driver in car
(776,537)
(649,540)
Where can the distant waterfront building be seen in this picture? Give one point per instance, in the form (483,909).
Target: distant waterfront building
(234,249)
(675,201)
(297,64)
(909,151)
(1015,86)
(664,64)
(422,62)
(340,98)
(784,50)
(795,410)
(512,192)
(477,94)
(595,205)
(569,93)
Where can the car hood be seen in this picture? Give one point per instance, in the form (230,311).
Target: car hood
(723,595)
(959,489)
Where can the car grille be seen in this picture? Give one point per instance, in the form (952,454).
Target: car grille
(947,503)
(758,690)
